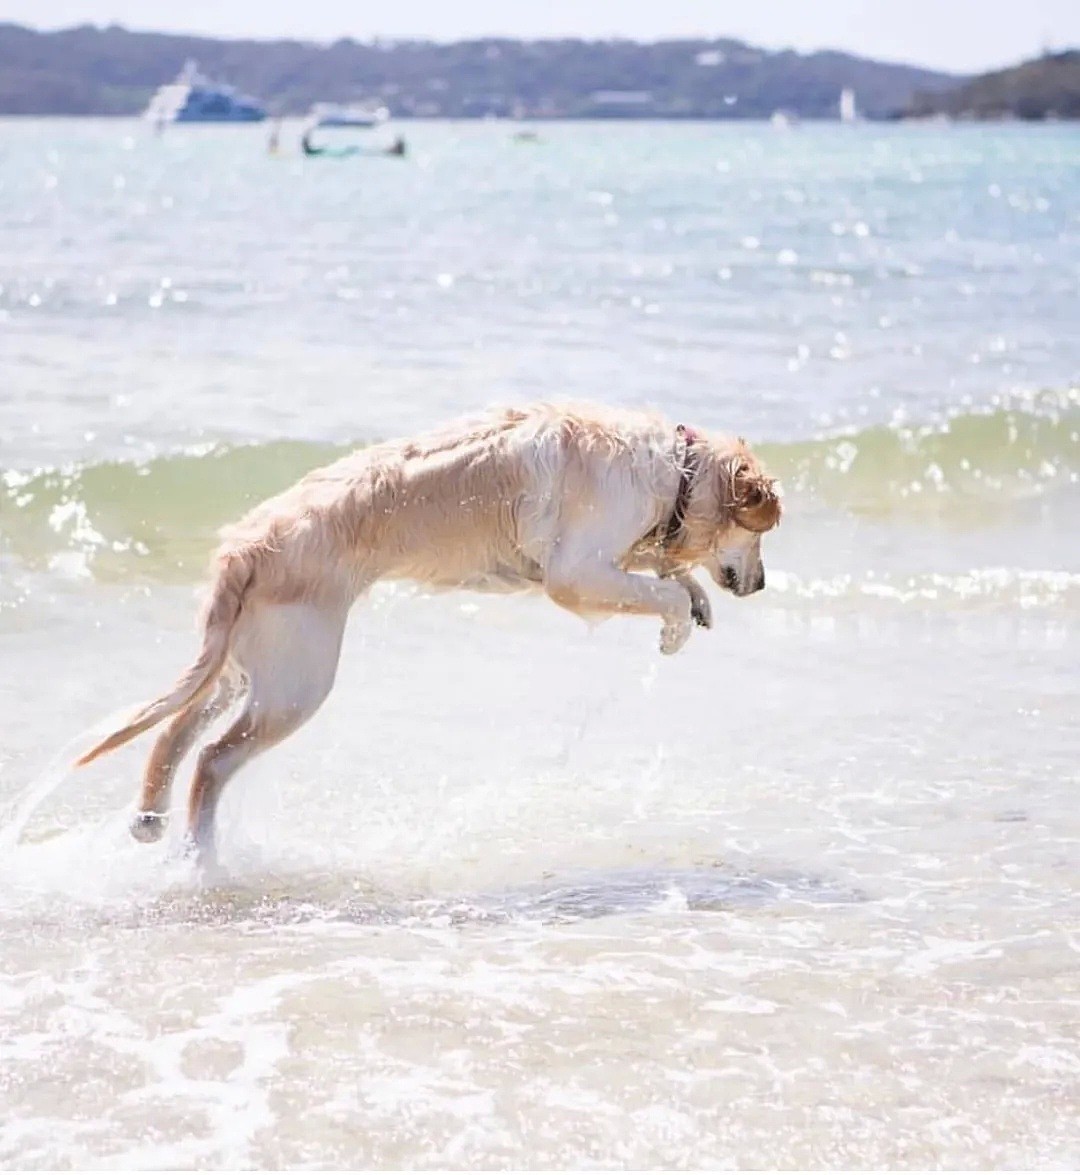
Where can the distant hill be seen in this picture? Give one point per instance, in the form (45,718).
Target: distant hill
(87,70)
(1048,87)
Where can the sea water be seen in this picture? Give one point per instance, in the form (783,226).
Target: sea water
(524,893)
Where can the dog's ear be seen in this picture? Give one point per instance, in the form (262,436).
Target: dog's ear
(752,497)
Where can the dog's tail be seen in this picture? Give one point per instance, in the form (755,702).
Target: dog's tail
(222,610)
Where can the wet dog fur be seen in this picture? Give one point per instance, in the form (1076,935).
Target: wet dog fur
(572,501)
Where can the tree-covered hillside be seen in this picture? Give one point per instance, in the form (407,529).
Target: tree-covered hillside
(1047,87)
(88,70)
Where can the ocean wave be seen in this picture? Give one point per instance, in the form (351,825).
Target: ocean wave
(157,519)
(961,468)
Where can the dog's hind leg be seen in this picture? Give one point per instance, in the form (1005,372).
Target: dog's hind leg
(178,738)
(289,654)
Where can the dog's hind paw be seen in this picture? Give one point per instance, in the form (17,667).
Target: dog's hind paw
(147,827)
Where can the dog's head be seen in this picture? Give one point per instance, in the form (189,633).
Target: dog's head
(744,504)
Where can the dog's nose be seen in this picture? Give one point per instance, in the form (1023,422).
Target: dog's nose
(731,579)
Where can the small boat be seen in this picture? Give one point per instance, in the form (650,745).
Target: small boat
(848,113)
(194,98)
(357,114)
(397,147)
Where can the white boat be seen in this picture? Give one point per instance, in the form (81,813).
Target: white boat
(848,113)
(357,114)
(194,98)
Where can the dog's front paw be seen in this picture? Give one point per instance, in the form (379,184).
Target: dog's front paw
(701,610)
(674,636)
(147,827)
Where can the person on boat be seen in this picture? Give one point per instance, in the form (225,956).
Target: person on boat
(397,147)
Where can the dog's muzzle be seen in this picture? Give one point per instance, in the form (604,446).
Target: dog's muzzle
(731,582)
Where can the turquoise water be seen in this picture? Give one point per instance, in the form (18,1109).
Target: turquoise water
(524,895)
(767,282)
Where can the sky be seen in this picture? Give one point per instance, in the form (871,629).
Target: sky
(960,35)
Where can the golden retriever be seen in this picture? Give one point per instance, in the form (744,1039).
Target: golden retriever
(572,501)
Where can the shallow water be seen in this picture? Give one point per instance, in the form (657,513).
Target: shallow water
(524,893)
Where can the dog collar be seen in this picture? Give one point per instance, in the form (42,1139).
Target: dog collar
(686,459)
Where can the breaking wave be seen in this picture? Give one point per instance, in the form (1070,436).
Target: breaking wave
(155,519)
(962,468)
(158,519)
